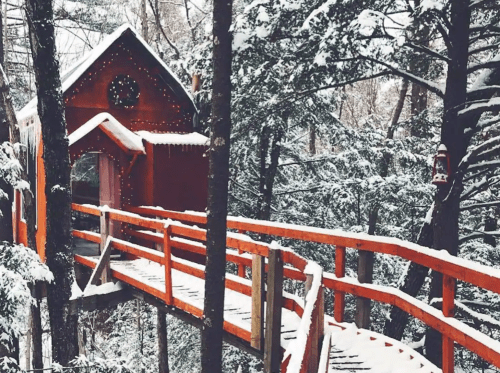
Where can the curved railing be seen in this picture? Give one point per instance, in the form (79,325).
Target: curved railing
(451,267)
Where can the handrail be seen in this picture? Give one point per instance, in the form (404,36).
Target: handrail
(451,267)
(461,269)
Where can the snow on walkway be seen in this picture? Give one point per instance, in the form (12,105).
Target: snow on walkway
(352,350)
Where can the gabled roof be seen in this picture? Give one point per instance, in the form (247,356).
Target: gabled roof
(121,135)
(71,75)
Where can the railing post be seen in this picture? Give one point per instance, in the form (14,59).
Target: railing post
(272,346)
(258,292)
(167,262)
(448,311)
(241,267)
(318,325)
(339,305)
(105,223)
(365,276)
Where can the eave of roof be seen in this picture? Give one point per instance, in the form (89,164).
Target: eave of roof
(128,141)
(71,75)
(169,138)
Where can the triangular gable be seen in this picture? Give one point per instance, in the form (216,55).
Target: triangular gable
(128,141)
(71,75)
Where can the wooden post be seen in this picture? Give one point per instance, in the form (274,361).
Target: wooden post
(105,221)
(365,276)
(339,305)
(448,311)
(241,267)
(318,327)
(272,346)
(258,292)
(168,264)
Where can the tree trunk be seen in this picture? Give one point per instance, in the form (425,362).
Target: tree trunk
(312,138)
(161,327)
(490,224)
(59,253)
(414,279)
(218,179)
(447,198)
(270,139)
(419,66)
(7,121)
(36,330)
(144,20)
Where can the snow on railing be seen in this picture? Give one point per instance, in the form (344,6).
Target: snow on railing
(452,268)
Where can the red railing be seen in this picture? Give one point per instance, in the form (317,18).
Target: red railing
(452,268)
(280,264)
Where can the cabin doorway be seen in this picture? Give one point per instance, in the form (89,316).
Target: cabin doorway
(95,180)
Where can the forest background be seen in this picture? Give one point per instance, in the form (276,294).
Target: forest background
(338,108)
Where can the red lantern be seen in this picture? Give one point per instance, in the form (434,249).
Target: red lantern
(441,169)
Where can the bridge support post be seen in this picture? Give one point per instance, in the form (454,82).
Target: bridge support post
(258,291)
(339,305)
(168,264)
(365,276)
(318,326)
(448,311)
(272,346)
(104,224)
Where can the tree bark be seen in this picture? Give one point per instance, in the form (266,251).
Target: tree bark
(7,121)
(144,20)
(270,139)
(414,279)
(312,138)
(161,327)
(447,198)
(218,179)
(490,224)
(59,251)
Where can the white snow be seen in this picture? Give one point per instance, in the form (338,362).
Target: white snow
(72,74)
(193,138)
(126,137)
(297,348)
(107,288)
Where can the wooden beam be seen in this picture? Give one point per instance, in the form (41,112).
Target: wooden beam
(448,311)
(100,301)
(105,250)
(258,291)
(272,346)
(339,305)
(101,265)
(167,250)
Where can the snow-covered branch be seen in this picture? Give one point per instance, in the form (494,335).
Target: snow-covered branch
(428,51)
(476,235)
(490,105)
(480,205)
(483,65)
(429,85)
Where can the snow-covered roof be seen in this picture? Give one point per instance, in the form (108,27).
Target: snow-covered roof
(71,75)
(125,138)
(193,138)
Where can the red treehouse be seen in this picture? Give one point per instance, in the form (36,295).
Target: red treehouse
(132,139)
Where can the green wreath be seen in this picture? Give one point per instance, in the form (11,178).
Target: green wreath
(123,91)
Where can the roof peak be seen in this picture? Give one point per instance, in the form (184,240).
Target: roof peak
(75,71)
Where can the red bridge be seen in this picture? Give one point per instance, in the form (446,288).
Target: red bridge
(288,332)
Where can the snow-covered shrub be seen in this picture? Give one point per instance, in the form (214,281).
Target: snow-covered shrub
(19,267)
